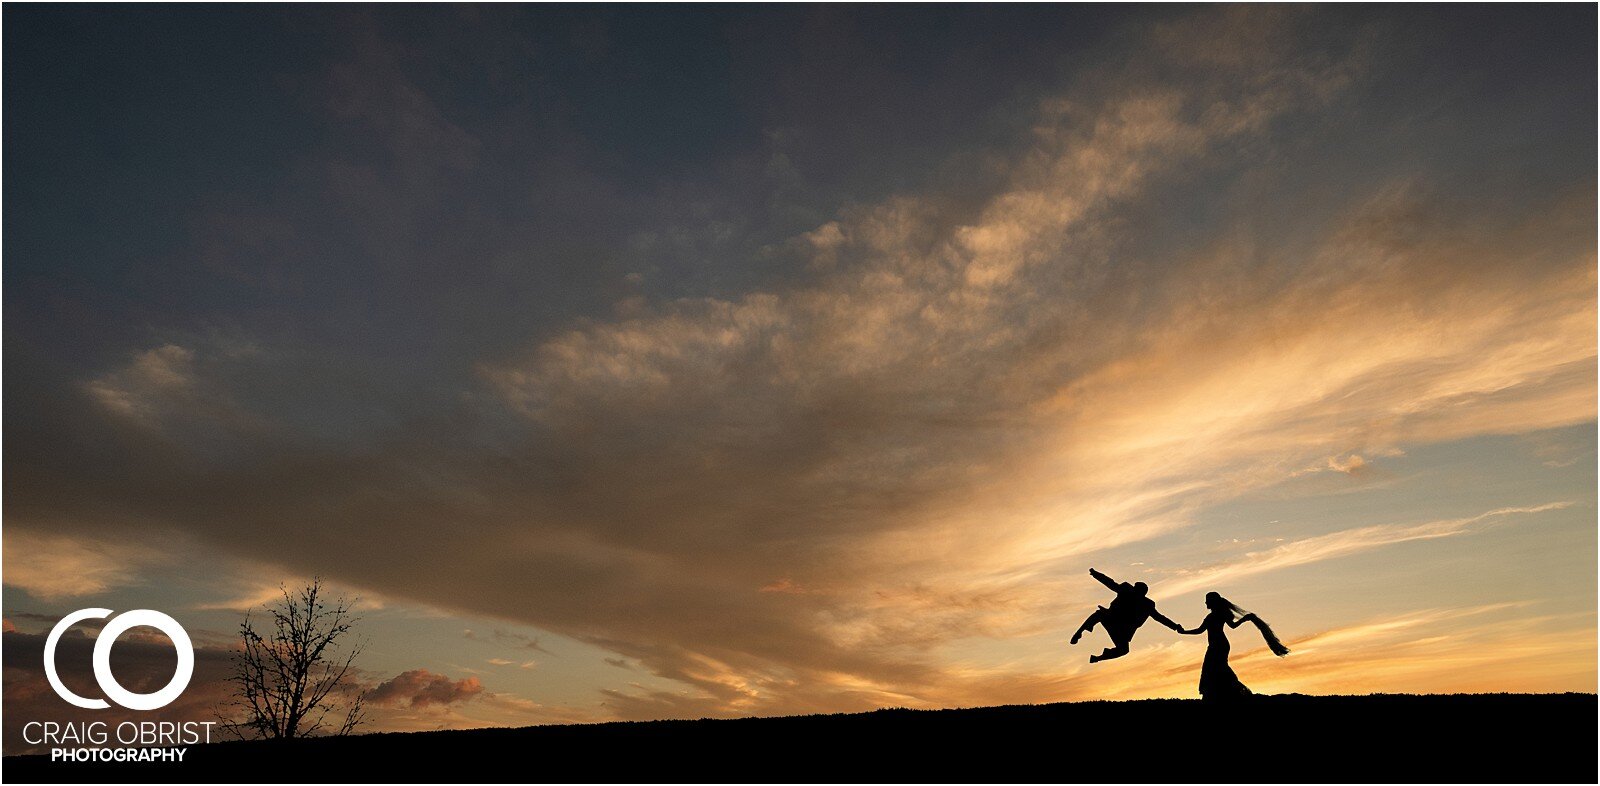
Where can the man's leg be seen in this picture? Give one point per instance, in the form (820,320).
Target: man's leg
(1088,624)
(1120,649)
(1120,636)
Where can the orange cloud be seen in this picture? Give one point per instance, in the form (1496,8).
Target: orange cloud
(52,567)
(1338,544)
(421,688)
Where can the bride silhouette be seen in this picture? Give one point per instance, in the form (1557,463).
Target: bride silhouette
(1217,680)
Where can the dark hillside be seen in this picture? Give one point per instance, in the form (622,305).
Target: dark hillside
(1386,738)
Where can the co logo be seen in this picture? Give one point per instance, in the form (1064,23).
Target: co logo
(102,659)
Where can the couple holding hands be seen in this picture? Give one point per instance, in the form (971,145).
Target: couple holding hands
(1133,606)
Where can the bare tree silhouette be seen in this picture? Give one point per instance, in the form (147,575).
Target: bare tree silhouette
(289,679)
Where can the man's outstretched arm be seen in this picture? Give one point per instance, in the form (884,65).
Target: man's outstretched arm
(1106,580)
(1162,618)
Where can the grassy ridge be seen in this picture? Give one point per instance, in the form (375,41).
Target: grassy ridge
(1406,738)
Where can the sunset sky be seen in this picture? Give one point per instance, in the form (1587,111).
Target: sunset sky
(681,362)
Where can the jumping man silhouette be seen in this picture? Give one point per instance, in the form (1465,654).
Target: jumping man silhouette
(1123,617)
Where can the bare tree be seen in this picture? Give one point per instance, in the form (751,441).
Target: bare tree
(293,679)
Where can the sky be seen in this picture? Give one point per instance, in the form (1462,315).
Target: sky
(628,363)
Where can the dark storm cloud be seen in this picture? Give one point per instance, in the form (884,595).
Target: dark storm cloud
(571,340)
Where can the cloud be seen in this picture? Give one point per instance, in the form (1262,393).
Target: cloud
(183,395)
(1352,464)
(785,586)
(499,636)
(1338,544)
(138,390)
(802,494)
(248,585)
(421,688)
(254,598)
(52,567)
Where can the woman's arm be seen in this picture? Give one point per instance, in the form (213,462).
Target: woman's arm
(1211,619)
(1242,620)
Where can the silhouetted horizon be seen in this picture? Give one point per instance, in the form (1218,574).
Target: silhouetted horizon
(1284,733)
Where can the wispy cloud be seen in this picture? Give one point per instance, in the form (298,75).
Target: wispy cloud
(507,638)
(252,599)
(1338,544)
(53,567)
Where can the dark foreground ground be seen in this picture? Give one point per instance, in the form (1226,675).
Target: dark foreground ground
(1317,739)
